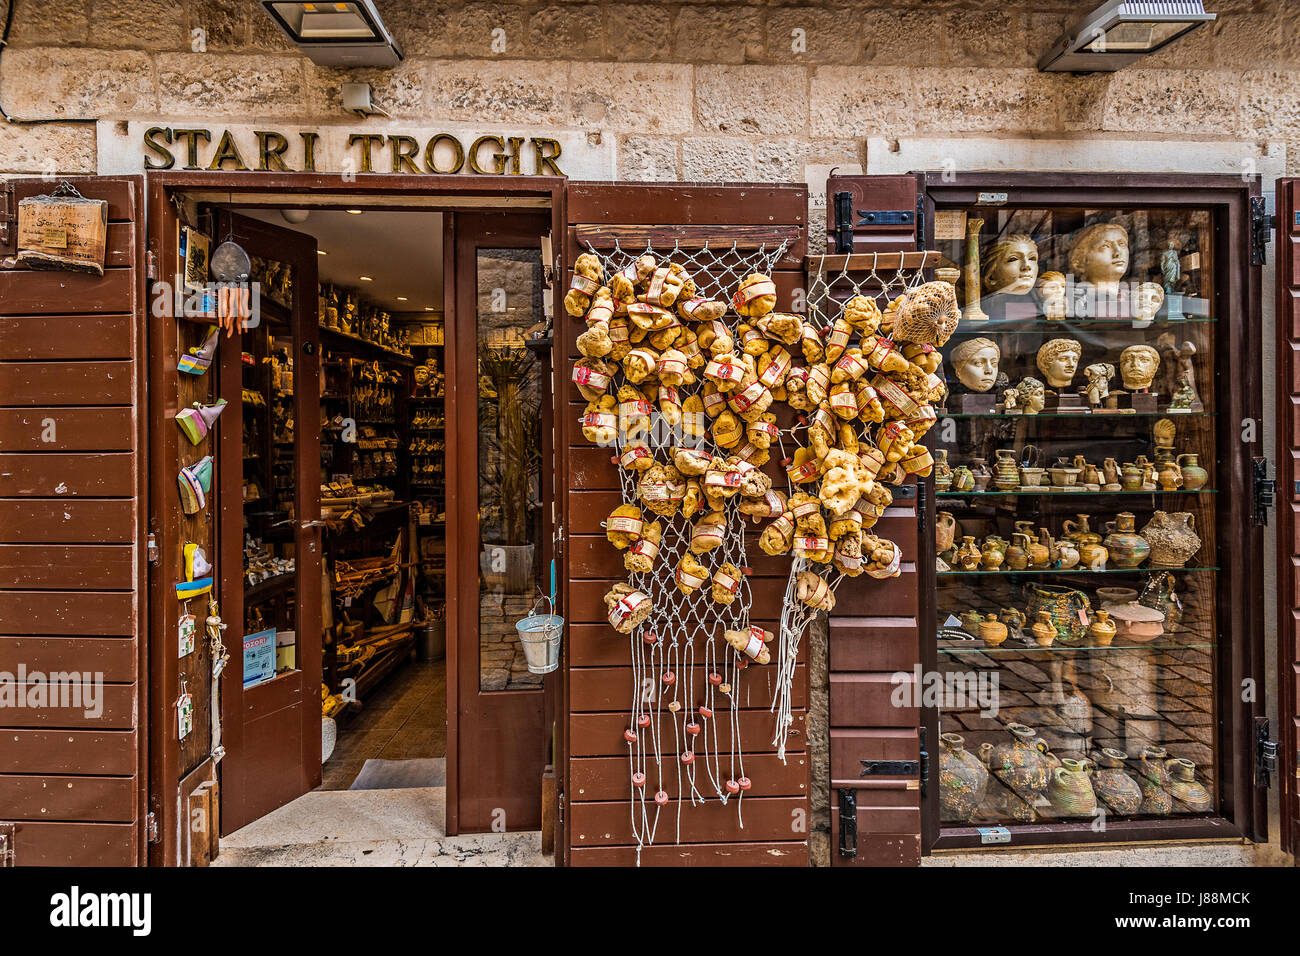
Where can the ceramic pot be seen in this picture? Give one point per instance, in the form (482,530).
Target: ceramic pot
(942,471)
(1194,476)
(1112,783)
(1102,629)
(1032,477)
(1131,477)
(992,631)
(1110,475)
(1017,555)
(1062,606)
(1135,623)
(962,780)
(1043,630)
(1160,594)
(992,554)
(1172,538)
(1067,555)
(945,531)
(1190,796)
(1169,476)
(970,622)
(1021,763)
(1093,557)
(983,476)
(963,479)
(1153,778)
(1079,532)
(1064,477)
(1040,556)
(1006,475)
(968,555)
(1127,548)
(1070,790)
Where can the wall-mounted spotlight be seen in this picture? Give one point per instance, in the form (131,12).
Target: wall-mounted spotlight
(1117,33)
(337,34)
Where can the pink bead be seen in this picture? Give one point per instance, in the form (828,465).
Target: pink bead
(688,757)
(669,677)
(638,779)
(661,798)
(733,787)
(650,637)
(629,735)
(692,728)
(706,712)
(715,679)
(741,663)
(745,783)
(643,720)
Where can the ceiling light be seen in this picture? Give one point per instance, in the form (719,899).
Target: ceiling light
(401,298)
(321,252)
(354,212)
(428,308)
(295,216)
(1118,33)
(367,279)
(337,34)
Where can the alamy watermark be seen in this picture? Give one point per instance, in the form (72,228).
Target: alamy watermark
(946,690)
(55,690)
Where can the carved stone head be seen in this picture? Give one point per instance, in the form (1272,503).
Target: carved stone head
(976,363)
(1137,366)
(1100,254)
(1010,266)
(1058,360)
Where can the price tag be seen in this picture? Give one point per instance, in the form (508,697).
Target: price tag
(185,632)
(949,224)
(185,715)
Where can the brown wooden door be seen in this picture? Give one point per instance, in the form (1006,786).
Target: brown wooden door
(1288,473)
(597,667)
(874,632)
(272,731)
(498,749)
(73,500)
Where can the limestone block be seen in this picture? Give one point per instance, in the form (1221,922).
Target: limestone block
(47,148)
(962,99)
(860,101)
(41,23)
(1270,104)
(751,100)
(814,34)
(399,91)
(1142,100)
(647,159)
(139,25)
(228,84)
(987,38)
(49,82)
(635,97)
(472,30)
(498,90)
(566,32)
(906,37)
(718,34)
(717,159)
(638,32)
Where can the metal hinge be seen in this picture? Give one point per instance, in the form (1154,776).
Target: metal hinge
(151,827)
(886,217)
(1265,755)
(1261,229)
(890,768)
(151,266)
(559,810)
(1265,489)
(6,212)
(925,761)
(7,844)
(848,823)
(844,222)
(920,221)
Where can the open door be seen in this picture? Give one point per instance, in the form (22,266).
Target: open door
(1288,536)
(272,731)
(499,518)
(73,497)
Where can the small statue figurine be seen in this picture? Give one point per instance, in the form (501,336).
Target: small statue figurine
(1186,397)
(1032,395)
(1052,292)
(973,312)
(1171,267)
(1011,402)
(1099,376)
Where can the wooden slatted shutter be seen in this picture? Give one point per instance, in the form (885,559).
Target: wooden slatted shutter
(72,540)
(597,680)
(1288,473)
(876,809)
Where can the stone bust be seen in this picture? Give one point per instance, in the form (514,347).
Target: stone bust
(1137,366)
(1147,299)
(1052,292)
(1010,266)
(1032,394)
(976,363)
(1101,256)
(1058,360)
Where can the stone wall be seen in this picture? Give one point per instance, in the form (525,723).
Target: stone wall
(689,91)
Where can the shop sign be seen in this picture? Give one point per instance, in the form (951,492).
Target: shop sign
(166,144)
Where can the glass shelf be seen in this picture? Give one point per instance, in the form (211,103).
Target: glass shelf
(1042,326)
(1065,493)
(1087,416)
(976,646)
(1072,572)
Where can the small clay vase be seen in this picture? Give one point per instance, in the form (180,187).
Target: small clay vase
(963,480)
(1126,547)
(1131,477)
(1189,794)
(992,631)
(1044,630)
(1067,555)
(945,531)
(1153,778)
(1006,476)
(1070,790)
(1110,475)
(1112,783)
(1017,555)
(968,554)
(983,476)
(962,780)
(942,471)
(970,622)
(1102,628)
(1093,557)
(1194,476)
(992,554)
(1170,477)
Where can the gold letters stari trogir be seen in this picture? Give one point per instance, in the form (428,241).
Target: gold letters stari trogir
(194,148)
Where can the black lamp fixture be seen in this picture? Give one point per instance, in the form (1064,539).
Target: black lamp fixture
(1117,33)
(337,34)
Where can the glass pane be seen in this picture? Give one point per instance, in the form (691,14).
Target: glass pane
(510,389)
(1077,533)
(1140,37)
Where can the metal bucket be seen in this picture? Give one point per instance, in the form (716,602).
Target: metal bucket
(432,643)
(540,635)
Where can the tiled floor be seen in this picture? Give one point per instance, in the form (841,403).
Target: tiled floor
(404,717)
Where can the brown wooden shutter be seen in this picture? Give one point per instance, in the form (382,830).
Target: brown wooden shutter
(874,630)
(1288,473)
(597,683)
(72,540)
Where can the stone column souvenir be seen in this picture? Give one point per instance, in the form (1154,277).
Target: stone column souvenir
(973,312)
(975,362)
(1100,260)
(1137,369)
(1052,293)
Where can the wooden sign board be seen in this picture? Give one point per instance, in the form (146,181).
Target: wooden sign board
(63,232)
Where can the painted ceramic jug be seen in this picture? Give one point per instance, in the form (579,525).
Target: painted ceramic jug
(1006,475)
(1190,796)
(1102,629)
(1112,783)
(945,531)
(1021,763)
(1194,476)
(1172,538)
(1067,609)
(1017,556)
(992,554)
(962,780)
(1070,790)
(1127,548)
(968,554)
(942,471)
(992,631)
(1153,778)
